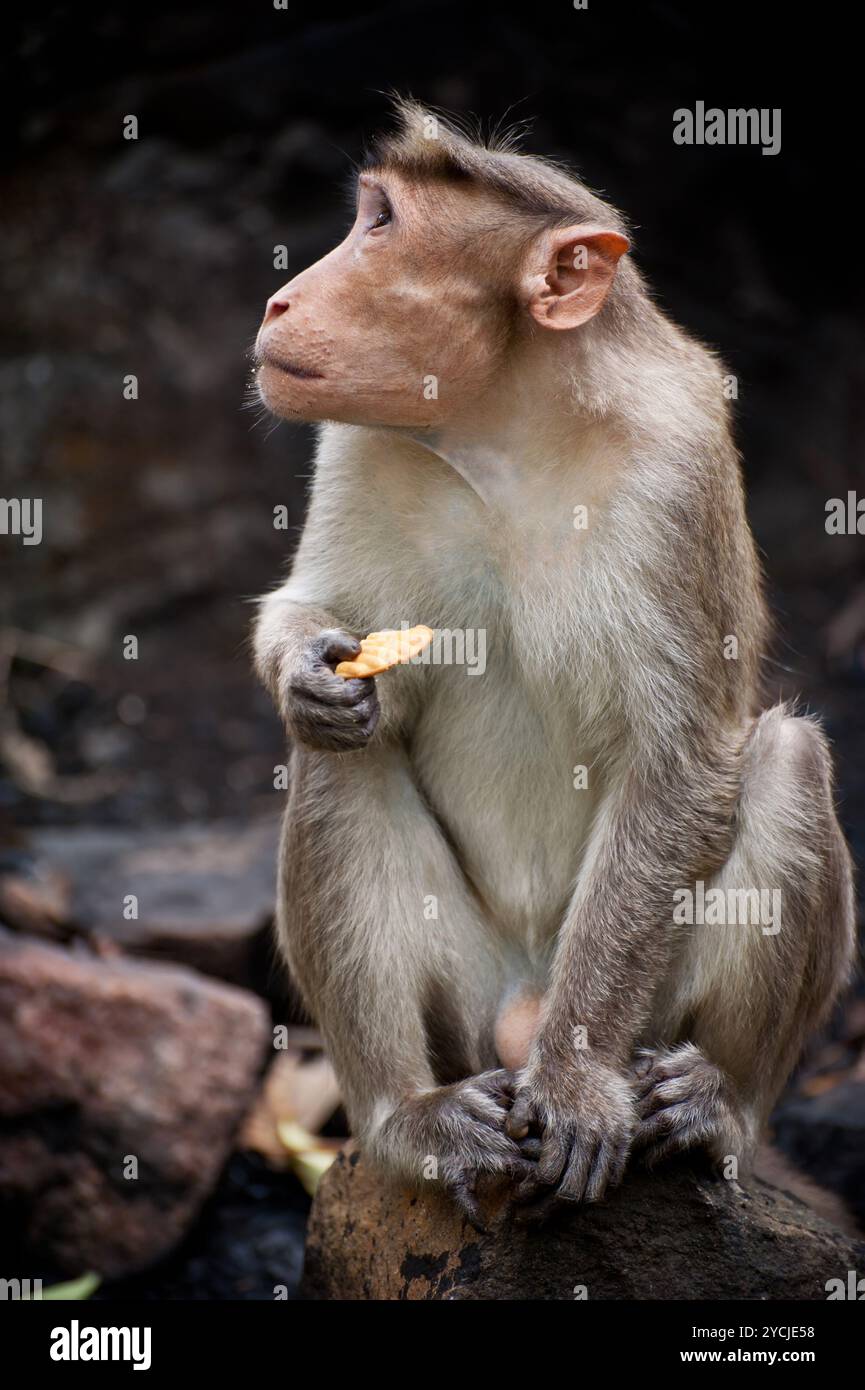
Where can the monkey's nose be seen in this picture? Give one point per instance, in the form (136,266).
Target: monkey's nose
(275,307)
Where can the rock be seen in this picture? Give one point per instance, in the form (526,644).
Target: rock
(35,898)
(204,894)
(247,1244)
(111,1066)
(678,1233)
(825,1135)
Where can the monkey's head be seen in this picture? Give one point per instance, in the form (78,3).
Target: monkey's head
(457,250)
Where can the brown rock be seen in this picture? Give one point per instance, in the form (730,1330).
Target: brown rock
(104,1062)
(37,901)
(674,1234)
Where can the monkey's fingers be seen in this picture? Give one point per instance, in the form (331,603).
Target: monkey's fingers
(344,716)
(322,687)
(601,1172)
(581,1162)
(643,1061)
(507,1084)
(555,1151)
(650,1101)
(523,1171)
(334,646)
(645,1074)
(619,1163)
(499,1085)
(521,1116)
(545,1170)
(485,1108)
(658,1124)
(334,727)
(686,1125)
(656,1153)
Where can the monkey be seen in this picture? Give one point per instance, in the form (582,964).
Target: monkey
(478,870)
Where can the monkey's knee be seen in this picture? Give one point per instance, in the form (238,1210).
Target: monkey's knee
(759,974)
(788,769)
(791,841)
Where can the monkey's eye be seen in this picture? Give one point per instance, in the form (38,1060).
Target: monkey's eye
(382,219)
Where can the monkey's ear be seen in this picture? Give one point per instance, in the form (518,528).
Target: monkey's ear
(569,274)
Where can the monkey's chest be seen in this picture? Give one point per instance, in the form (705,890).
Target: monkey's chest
(510,779)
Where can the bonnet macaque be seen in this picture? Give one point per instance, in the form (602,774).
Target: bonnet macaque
(586,902)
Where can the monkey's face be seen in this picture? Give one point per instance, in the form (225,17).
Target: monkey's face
(401,324)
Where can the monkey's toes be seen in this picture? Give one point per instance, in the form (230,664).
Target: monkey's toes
(672,1129)
(681,1073)
(683,1102)
(462,1190)
(521,1117)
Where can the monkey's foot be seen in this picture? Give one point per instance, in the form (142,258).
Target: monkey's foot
(584,1113)
(684,1102)
(462,1129)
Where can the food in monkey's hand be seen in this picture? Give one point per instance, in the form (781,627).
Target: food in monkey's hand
(381,650)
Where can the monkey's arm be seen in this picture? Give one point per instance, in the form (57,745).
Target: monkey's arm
(657,830)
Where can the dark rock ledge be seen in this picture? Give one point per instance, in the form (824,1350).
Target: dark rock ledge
(678,1233)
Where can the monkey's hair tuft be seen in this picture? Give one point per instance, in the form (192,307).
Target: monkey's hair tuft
(430,144)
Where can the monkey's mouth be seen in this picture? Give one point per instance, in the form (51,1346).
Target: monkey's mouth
(290,368)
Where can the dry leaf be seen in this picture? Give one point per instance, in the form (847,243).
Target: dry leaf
(308,1156)
(294,1089)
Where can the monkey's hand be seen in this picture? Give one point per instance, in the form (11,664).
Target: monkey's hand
(585,1112)
(323,710)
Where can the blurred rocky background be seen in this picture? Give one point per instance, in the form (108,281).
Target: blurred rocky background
(146,1034)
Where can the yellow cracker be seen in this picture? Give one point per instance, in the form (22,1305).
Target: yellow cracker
(381,650)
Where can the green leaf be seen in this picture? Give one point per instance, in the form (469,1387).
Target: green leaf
(82,1287)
